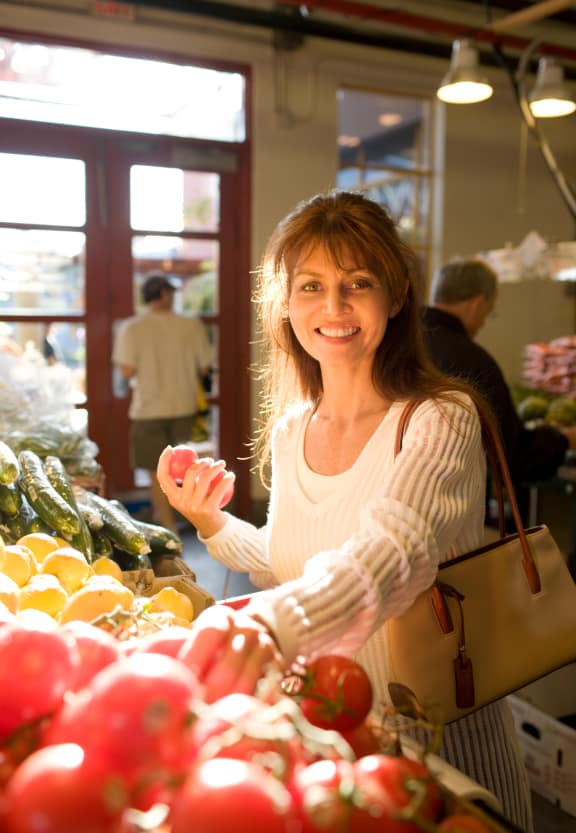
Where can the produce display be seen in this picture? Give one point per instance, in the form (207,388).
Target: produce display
(38,495)
(551,366)
(117,735)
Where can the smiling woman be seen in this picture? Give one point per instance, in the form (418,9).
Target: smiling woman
(355,532)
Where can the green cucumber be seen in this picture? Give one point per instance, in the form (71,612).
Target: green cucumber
(119,527)
(10,499)
(9,468)
(58,477)
(43,497)
(160,539)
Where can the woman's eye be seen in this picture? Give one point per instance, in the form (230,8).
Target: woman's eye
(310,286)
(360,283)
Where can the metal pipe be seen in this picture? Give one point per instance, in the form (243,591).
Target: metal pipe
(537,12)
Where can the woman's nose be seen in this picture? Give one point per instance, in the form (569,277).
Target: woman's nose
(335,300)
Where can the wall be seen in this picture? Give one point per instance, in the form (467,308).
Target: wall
(294,124)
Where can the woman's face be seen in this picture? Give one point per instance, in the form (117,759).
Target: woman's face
(339,316)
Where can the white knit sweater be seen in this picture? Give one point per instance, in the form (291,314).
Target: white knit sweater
(365,550)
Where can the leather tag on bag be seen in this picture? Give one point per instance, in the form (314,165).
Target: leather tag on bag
(464,680)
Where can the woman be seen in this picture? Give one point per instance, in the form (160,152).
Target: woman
(354,533)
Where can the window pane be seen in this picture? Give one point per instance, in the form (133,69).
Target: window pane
(195,262)
(377,128)
(41,272)
(169,199)
(61,347)
(42,189)
(68,85)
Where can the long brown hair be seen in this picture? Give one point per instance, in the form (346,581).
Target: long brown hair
(344,223)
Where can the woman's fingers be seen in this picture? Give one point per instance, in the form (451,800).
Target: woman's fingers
(229,652)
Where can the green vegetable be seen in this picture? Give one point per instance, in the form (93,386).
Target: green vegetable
(10,499)
(9,468)
(562,411)
(58,477)
(161,540)
(119,527)
(532,407)
(43,497)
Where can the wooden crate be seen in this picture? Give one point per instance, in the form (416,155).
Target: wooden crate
(169,572)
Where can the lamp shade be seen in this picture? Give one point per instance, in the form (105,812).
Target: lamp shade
(550,97)
(464,82)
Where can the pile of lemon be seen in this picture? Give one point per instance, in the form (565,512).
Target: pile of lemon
(43,572)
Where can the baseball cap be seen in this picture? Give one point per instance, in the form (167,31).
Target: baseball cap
(155,284)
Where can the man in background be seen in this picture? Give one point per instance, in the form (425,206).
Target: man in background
(462,296)
(164,356)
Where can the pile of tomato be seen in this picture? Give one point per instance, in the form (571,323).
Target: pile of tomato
(101,736)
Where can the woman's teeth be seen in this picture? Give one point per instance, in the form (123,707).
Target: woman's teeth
(338,332)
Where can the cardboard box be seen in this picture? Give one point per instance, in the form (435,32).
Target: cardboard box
(549,751)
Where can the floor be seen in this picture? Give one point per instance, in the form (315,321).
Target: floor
(223,584)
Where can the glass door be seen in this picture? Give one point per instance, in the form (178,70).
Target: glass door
(84,215)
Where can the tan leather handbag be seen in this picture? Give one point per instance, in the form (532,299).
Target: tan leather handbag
(496,618)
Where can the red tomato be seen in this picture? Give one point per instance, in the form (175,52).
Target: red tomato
(97,649)
(37,666)
(224,794)
(462,823)
(60,789)
(334,693)
(229,492)
(135,715)
(364,740)
(387,784)
(182,458)
(244,727)
(322,793)
(167,641)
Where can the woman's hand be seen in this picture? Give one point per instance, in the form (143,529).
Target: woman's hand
(229,652)
(198,498)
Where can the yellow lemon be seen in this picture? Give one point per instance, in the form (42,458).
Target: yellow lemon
(36,619)
(44,592)
(69,566)
(96,598)
(40,543)
(9,593)
(167,619)
(171,600)
(105,566)
(19,563)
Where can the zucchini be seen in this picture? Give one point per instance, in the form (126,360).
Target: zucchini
(160,539)
(10,499)
(9,468)
(119,527)
(44,498)
(101,544)
(32,522)
(16,526)
(58,477)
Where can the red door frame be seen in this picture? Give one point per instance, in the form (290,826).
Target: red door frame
(109,282)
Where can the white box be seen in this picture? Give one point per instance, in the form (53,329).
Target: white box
(549,751)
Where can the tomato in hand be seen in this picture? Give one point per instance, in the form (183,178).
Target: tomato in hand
(334,692)
(183,456)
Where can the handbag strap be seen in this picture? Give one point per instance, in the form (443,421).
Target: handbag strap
(501,477)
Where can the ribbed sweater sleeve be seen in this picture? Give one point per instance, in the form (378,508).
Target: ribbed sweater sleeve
(424,497)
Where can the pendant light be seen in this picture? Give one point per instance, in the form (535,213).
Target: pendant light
(464,82)
(550,97)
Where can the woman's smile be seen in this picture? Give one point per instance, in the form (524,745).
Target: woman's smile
(338,312)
